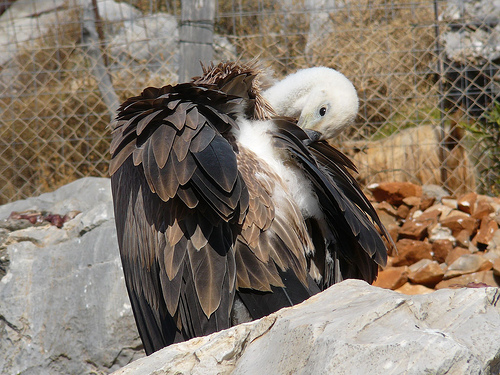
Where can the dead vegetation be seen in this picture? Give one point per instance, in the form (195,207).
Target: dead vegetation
(54,126)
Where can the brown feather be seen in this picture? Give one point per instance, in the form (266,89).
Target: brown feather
(178,119)
(208,269)
(145,121)
(174,257)
(171,289)
(192,118)
(163,138)
(187,195)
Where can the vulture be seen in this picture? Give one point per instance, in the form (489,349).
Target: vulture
(230,205)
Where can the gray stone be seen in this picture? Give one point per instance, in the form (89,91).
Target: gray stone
(467,263)
(441,233)
(141,38)
(26,21)
(112,11)
(64,308)
(351,328)
(477,44)
(81,195)
(142,46)
(434,191)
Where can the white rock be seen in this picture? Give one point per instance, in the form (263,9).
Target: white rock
(40,235)
(64,308)
(441,233)
(147,38)
(112,11)
(352,328)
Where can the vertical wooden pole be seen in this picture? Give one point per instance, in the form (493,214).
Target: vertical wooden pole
(196,36)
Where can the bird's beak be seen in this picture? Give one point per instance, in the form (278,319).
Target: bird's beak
(302,123)
(313,135)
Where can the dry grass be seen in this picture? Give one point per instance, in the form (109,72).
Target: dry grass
(414,155)
(54,126)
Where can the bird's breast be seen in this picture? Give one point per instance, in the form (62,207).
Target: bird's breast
(289,180)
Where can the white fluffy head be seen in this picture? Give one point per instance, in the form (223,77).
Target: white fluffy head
(321,98)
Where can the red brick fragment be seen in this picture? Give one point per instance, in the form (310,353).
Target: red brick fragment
(485,232)
(466,202)
(411,251)
(392,277)
(459,223)
(441,249)
(454,254)
(426,272)
(394,192)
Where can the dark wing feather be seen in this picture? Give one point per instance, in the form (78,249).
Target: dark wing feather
(351,237)
(178,201)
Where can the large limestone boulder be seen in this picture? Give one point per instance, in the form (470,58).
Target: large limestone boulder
(64,308)
(351,328)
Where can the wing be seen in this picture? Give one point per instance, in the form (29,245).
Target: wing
(347,243)
(271,249)
(178,199)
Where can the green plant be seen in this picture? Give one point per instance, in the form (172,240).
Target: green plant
(487,133)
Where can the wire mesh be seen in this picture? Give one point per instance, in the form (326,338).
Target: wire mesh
(426,74)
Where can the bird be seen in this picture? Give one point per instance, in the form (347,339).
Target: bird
(227,210)
(322,98)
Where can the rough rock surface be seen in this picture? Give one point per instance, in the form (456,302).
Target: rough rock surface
(350,328)
(64,308)
(134,41)
(480,40)
(63,304)
(460,234)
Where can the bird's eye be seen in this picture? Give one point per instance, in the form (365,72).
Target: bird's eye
(322,111)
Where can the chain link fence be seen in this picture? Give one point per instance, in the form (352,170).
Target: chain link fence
(426,74)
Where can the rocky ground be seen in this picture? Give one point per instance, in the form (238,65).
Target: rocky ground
(442,241)
(64,308)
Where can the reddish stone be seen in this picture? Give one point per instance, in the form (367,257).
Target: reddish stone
(440,209)
(394,192)
(412,289)
(450,202)
(390,261)
(458,223)
(392,277)
(384,206)
(414,229)
(454,213)
(393,231)
(426,272)
(414,211)
(426,202)
(403,211)
(428,214)
(386,218)
(412,202)
(466,202)
(482,208)
(441,249)
(454,254)
(496,267)
(411,251)
(485,232)
(463,238)
(483,277)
